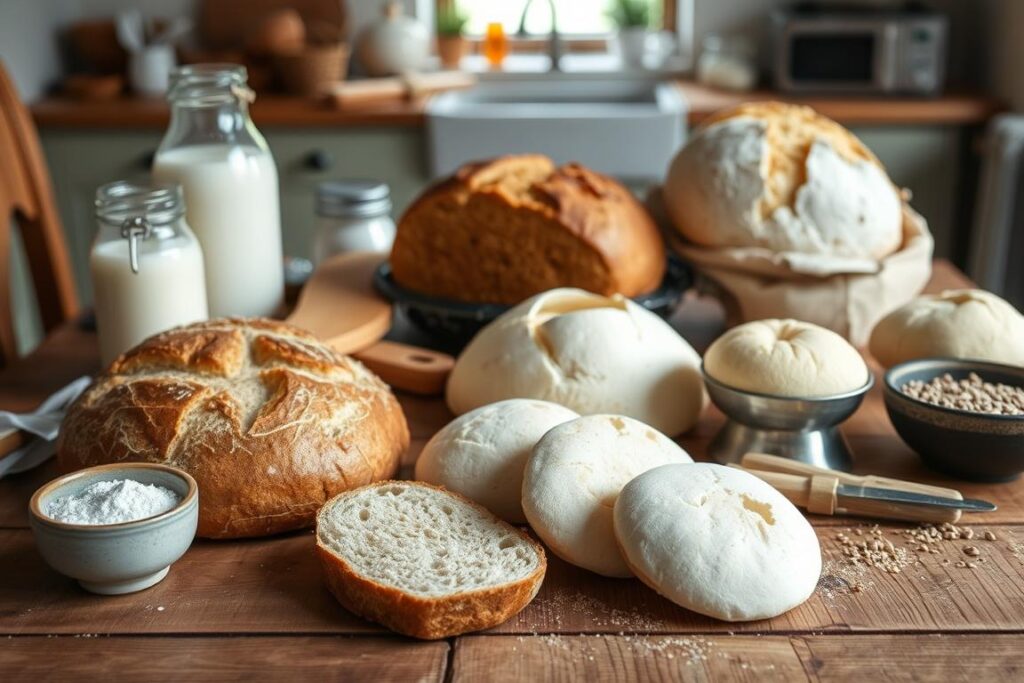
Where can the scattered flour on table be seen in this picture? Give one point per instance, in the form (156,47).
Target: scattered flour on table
(112,502)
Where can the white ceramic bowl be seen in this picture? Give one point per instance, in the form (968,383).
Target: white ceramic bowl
(112,559)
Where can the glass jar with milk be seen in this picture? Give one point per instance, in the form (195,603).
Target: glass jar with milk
(230,183)
(146,265)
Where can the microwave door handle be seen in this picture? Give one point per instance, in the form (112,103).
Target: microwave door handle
(887,57)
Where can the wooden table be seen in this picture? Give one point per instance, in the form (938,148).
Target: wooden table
(259,607)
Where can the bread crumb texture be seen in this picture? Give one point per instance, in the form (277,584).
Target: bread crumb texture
(423,541)
(424,561)
(269,421)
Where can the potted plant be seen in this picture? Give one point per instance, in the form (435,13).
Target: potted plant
(451,44)
(633,17)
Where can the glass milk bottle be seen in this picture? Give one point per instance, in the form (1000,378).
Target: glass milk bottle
(230,183)
(146,265)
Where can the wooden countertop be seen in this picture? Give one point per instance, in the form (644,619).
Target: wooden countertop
(277,110)
(259,607)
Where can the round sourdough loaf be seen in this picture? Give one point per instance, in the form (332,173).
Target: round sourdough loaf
(502,230)
(482,454)
(958,323)
(269,421)
(573,477)
(783,177)
(785,358)
(717,540)
(590,353)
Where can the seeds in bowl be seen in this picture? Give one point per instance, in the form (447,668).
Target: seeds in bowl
(972,394)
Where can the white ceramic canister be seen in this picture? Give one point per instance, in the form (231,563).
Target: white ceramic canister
(394,44)
(352,215)
(146,265)
(230,183)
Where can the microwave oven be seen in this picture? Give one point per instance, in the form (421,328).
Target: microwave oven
(831,49)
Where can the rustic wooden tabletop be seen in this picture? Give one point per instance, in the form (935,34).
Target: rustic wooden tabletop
(259,607)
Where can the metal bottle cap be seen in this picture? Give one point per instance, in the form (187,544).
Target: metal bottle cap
(353,198)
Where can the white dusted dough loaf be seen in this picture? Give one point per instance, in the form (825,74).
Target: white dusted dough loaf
(573,477)
(785,178)
(958,323)
(591,353)
(785,358)
(483,453)
(718,541)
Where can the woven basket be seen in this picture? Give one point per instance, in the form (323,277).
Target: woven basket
(312,70)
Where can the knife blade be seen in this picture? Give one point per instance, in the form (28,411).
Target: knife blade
(910,498)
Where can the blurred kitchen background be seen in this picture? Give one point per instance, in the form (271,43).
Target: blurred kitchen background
(930,87)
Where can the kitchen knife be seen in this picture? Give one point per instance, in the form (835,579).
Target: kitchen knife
(823,494)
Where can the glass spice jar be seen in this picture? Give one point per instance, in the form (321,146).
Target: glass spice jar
(352,215)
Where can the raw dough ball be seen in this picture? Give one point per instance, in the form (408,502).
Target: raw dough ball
(482,454)
(573,477)
(785,178)
(785,358)
(718,541)
(958,323)
(591,353)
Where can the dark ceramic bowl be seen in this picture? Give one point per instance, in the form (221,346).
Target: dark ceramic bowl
(973,446)
(454,323)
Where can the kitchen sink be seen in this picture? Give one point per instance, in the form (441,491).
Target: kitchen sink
(626,127)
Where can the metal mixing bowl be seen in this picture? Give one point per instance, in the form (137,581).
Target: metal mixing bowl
(801,428)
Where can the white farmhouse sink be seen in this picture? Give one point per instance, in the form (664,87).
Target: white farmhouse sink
(625,127)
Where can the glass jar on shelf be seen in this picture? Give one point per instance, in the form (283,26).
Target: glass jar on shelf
(352,215)
(146,265)
(727,62)
(230,185)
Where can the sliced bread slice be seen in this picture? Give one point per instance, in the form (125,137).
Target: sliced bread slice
(424,561)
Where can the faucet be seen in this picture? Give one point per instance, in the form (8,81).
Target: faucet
(554,41)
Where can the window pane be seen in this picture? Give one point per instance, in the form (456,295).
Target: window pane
(574,16)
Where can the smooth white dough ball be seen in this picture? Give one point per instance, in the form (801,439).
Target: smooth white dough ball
(958,323)
(574,476)
(718,541)
(483,453)
(785,358)
(590,353)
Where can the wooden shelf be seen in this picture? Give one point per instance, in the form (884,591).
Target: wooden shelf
(284,111)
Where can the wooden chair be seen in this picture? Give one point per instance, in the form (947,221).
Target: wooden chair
(26,199)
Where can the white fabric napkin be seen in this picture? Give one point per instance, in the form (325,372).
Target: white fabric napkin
(44,423)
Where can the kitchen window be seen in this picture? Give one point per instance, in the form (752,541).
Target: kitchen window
(583,24)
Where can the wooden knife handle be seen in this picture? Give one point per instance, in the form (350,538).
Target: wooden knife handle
(411,368)
(11,440)
(817,494)
(773,463)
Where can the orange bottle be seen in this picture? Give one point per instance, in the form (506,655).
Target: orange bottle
(495,44)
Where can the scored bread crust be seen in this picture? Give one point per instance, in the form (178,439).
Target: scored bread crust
(269,421)
(430,617)
(503,230)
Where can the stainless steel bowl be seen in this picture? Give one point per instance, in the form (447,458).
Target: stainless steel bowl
(801,428)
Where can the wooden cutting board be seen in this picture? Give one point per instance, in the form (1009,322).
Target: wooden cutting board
(340,306)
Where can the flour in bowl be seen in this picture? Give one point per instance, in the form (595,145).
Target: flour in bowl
(113,502)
